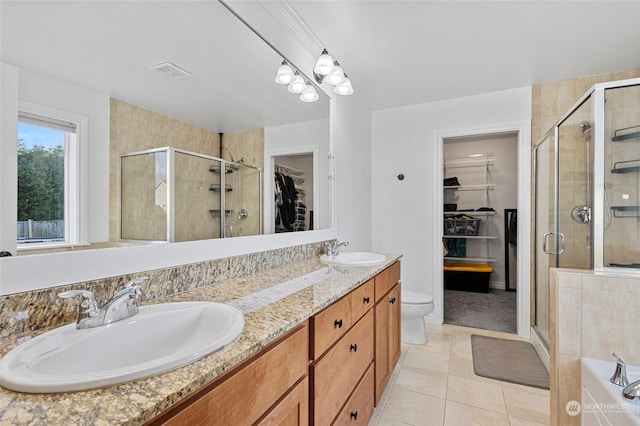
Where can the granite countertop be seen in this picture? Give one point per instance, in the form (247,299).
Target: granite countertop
(273,302)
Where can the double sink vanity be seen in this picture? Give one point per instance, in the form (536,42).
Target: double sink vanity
(316,344)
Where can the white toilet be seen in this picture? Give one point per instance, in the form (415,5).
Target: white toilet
(415,306)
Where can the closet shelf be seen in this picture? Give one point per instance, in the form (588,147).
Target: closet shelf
(484,187)
(472,213)
(473,237)
(476,160)
(473,259)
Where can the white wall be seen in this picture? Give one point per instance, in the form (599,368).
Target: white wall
(405,140)
(353,173)
(8,156)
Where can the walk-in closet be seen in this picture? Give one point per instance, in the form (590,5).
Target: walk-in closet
(479,234)
(293,192)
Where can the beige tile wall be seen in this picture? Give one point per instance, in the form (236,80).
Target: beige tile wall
(549,102)
(591,316)
(137,129)
(246,147)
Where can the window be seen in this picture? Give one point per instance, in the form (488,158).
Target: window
(48,192)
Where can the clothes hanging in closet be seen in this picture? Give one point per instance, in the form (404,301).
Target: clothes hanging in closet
(285,194)
(513,229)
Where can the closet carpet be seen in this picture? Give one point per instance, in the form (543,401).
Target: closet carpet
(495,310)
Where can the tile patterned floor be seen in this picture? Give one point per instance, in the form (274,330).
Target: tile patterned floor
(434,384)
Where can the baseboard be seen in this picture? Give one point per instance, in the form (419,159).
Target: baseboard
(542,351)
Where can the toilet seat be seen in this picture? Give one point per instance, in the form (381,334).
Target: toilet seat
(410,297)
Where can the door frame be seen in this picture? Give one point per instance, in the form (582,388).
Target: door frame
(523,130)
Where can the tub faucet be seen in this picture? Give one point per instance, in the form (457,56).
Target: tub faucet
(620,375)
(333,247)
(123,304)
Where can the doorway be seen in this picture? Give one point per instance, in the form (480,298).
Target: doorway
(480,195)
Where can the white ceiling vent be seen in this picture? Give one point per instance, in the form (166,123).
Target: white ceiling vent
(170,70)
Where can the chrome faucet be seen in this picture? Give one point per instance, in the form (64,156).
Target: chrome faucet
(333,247)
(620,375)
(123,304)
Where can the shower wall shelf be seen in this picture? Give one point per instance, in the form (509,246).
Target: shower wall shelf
(215,187)
(214,169)
(216,212)
(627,136)
(626,169)
(631,209)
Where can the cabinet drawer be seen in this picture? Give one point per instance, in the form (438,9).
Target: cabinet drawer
(359,408)
(387,279)
(362,299)
(330,324)
(248,393)
(336,374)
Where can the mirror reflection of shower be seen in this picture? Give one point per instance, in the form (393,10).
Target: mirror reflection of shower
(582,213)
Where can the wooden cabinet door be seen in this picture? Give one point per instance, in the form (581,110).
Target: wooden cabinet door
(293,410)
(381,347)
(387,325)
(394,327)
(248,392)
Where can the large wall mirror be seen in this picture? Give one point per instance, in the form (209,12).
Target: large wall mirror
(149,135)
(86,70)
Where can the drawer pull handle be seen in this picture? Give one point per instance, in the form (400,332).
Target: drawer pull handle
(354,347)
(366,299)
(392,300)
(337,323)
(354,415)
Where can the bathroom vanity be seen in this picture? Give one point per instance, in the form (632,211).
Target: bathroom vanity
(319,345)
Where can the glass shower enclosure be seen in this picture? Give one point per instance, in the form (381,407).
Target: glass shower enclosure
(173,195)
(587,190)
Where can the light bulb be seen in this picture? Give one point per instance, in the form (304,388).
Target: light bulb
(336,76)
(344,88)
(297,85)
(309,94)
(324,65)
(284,74)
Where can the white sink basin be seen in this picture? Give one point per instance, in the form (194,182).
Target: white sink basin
(354,258)
(158,339)
(601,399)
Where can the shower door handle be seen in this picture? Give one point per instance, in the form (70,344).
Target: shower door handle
(560,243)
(544,243)
(561,246)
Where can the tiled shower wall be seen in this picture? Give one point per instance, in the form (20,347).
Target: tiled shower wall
(550,101)
(591,316)
(137,129)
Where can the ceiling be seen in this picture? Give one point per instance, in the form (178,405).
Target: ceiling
(407,52)
(108,47)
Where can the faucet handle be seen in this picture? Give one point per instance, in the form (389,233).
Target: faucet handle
(620,375)
(88,302)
